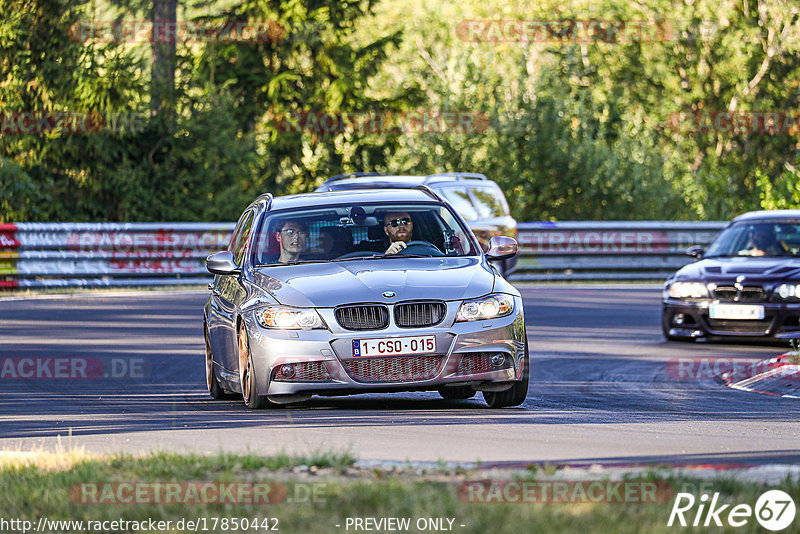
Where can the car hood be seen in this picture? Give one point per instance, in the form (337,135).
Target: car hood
(327,285)
(747,266)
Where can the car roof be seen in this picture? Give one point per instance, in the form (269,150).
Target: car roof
(375,180)
(768,215)
(351,196)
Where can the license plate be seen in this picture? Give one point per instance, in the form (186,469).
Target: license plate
(735,311)
(394,346)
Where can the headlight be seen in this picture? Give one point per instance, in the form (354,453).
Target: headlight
(497,305)
(286,318)
(688,290)
(788,291)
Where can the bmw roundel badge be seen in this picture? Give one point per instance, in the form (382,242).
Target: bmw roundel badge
(389,294)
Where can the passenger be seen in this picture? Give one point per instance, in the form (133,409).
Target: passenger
(293,240)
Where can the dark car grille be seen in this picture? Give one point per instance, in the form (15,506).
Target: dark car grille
(397,369)
(365,317)
(419,314)
(745,294)
(739,326)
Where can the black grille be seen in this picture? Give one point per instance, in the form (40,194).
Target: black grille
(397,369)
(740,326)
(746,293)
(365,317)
(413,314)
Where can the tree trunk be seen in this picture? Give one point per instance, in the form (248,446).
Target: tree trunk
(162,73)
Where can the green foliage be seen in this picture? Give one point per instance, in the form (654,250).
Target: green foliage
(217,148)
(576,130)
(18,195)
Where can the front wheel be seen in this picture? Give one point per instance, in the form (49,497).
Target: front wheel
(212,383)
(247,375)
(516,394)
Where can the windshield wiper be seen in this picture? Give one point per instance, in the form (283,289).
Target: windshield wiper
(378,256)
(295,262)
(401,255)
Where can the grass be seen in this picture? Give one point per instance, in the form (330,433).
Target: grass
(322,490)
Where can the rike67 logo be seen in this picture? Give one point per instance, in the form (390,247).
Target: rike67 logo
(774,510)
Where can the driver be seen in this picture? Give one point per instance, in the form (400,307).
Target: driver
(763,242)
(399,227)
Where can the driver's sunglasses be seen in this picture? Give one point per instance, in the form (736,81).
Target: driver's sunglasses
(394,223)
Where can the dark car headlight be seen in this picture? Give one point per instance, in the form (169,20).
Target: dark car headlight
(788,291)
(688,290)
(488,307)
(286,318)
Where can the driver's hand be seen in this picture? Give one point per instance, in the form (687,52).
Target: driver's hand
(396,247)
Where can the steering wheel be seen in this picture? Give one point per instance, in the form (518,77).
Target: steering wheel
(421,247)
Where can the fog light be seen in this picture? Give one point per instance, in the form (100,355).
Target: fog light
(497,360)
(287,371)
(678,318)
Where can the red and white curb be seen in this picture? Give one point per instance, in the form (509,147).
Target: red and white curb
(777,376)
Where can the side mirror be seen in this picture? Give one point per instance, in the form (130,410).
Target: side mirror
(501,247)
(222,263)
(696,252)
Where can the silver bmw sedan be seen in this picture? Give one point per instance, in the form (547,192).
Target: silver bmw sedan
(362,291)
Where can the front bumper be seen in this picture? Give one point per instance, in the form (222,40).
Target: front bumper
(460,349)
(691,320)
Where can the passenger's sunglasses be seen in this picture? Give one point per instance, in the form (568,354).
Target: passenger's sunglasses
(394,223)
(291,232)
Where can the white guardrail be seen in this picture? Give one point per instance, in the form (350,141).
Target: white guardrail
(168,254)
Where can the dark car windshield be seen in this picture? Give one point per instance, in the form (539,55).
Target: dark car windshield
(758,238)
(358,232)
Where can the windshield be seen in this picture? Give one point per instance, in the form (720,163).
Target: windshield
(358,232)
(758,239)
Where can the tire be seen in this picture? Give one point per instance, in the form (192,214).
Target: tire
(247,378)
(458,393)
(216,391)
(516,394)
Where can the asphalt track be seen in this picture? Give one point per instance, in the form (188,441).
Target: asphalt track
(604,390)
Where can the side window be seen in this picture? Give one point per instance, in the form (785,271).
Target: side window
(239,244)
(236,231)
(459,198)
(459,245)
(490,202)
